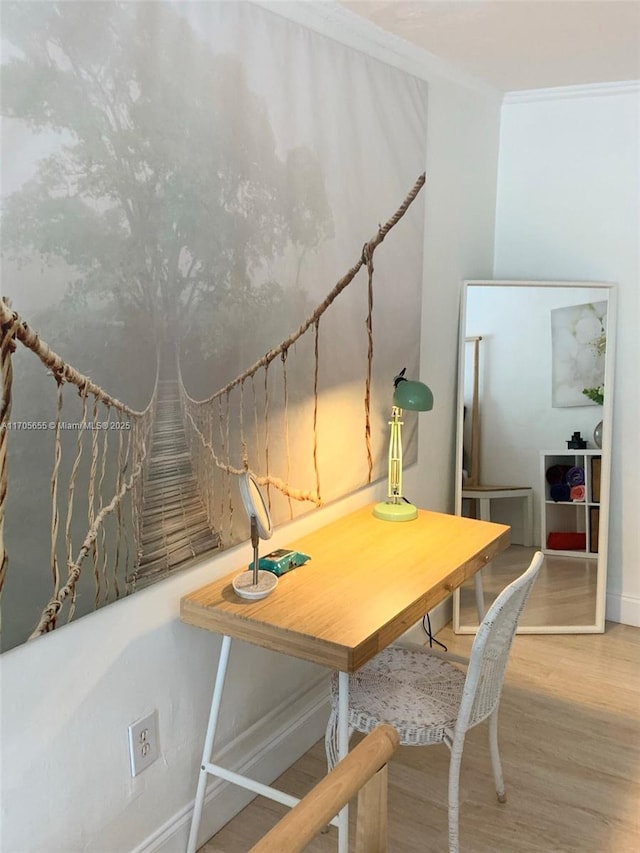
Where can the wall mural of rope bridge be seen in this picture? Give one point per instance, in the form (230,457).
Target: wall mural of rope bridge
(155,487)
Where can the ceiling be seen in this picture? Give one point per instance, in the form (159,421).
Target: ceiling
(520,44)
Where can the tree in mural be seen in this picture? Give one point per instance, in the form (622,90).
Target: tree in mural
(165,193)
(165,202)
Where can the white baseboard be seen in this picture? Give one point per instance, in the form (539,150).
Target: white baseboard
(263,752)
(623,608)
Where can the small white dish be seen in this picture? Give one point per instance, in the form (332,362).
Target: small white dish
(244,586)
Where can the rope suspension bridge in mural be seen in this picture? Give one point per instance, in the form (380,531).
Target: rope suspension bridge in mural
(155,484)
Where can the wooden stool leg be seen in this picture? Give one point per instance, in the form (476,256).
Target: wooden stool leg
(485,509)
(480,607)
(371,824)
(485,515)
(528,520)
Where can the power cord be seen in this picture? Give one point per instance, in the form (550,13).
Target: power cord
(426,621)
(426,625)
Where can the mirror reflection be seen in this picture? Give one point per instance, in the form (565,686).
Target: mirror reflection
(535,378)
(255,505)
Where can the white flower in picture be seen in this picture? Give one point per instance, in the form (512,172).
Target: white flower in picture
(578,343)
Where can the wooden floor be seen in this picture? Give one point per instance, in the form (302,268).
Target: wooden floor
(570,745)
(563,594)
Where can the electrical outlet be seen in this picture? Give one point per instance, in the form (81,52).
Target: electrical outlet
(143,742)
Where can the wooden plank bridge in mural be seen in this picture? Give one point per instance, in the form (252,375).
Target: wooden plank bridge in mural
(174,523)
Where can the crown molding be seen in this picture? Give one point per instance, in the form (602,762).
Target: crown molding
(342,25)
(588,90)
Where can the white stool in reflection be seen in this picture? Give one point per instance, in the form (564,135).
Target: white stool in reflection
(485,494)
(471,487)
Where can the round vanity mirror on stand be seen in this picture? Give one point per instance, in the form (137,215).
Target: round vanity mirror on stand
(255,583)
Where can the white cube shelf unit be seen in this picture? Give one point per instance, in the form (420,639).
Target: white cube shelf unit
(570,528)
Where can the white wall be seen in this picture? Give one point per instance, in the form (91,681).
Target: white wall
(68,698)
(568,208)
(461,169)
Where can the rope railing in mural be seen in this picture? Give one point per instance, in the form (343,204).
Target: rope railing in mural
(96,426)
(126,465)
(7,347)
(209,421)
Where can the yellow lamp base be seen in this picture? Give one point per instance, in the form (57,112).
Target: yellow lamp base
(395,512)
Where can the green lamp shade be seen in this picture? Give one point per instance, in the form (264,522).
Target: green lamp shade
(413,395)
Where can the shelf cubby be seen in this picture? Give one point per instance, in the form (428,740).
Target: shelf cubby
(570,527)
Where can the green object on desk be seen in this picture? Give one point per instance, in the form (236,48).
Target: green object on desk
(281,561)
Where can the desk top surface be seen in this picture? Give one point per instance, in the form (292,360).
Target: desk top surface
(366,583)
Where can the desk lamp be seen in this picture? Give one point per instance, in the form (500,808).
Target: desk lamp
(255,583)
(417,397)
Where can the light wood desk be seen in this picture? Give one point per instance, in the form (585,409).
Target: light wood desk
(367,582)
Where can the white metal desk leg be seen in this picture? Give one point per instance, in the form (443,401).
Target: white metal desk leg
(208,743)
(343,749)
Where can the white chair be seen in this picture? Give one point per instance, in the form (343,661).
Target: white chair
(428,700)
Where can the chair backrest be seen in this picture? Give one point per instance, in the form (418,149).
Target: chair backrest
(491,647)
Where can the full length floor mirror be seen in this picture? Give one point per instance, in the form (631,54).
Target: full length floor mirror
(535,387)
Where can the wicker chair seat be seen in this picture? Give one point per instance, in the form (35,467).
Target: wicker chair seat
(419,695)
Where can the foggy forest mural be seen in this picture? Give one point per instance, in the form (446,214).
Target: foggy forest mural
(183,184)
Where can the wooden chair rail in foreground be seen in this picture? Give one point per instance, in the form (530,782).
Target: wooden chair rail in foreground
(362,772)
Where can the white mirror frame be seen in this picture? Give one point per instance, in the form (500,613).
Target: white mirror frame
(607,420)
